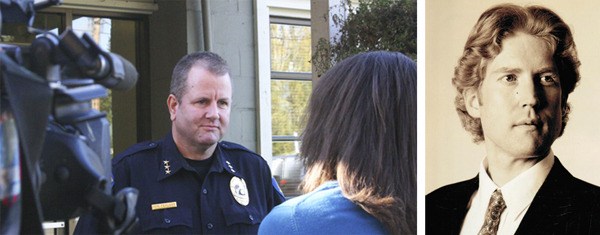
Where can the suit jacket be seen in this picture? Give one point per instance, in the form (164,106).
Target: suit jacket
(563,205)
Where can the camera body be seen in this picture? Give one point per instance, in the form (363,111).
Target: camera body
(60,142)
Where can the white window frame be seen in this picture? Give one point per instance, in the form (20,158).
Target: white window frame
(280,9)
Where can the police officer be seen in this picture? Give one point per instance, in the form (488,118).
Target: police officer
(190,181)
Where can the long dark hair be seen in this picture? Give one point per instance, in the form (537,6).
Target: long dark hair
(361,131)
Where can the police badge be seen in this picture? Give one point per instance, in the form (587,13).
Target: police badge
(239,190)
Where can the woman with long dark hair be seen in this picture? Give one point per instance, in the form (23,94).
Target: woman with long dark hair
(359,149)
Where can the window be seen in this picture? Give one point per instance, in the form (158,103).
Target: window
(117,36)
(16,33)
(291,85)
(100,30)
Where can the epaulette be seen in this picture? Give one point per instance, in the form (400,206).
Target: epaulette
(139,147)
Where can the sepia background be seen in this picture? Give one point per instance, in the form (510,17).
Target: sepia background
(451,155)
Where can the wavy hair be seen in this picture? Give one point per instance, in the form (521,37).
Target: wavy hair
(485,43)
(361,131)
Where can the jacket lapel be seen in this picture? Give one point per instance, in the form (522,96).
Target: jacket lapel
(551,203)
(446,209)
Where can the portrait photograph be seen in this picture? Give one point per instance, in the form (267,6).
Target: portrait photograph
(512,132)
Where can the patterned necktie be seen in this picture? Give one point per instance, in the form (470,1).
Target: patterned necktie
(492,215)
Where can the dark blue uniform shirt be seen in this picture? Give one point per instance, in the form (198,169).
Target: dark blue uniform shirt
(183,204)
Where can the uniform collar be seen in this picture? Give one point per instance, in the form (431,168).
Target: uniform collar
(172,161)
(224,161)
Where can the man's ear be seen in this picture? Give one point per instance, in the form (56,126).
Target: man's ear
(471,97)
(172,104)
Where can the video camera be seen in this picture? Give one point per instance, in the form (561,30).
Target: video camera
(54,147)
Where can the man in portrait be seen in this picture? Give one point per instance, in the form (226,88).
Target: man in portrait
(513,81)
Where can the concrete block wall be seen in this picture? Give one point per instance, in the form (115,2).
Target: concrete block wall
(232,36)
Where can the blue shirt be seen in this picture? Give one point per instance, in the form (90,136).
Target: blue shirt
(323,211)
(173,200)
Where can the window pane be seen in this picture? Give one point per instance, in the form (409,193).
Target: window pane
(288,102)
(285,148)
(100,30)
(288,171)
(117,36)
(16,33)
(97,28)
(290,48)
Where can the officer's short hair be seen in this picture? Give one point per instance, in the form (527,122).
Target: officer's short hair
(207,60)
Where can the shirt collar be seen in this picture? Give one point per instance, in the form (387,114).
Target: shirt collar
(172,160)
(519,192)
(224,162)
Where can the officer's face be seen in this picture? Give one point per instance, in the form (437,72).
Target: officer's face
(202,116)
(519,100)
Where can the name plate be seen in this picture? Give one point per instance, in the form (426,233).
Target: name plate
(162,206)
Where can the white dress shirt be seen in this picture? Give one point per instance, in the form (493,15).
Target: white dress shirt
(518,194)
